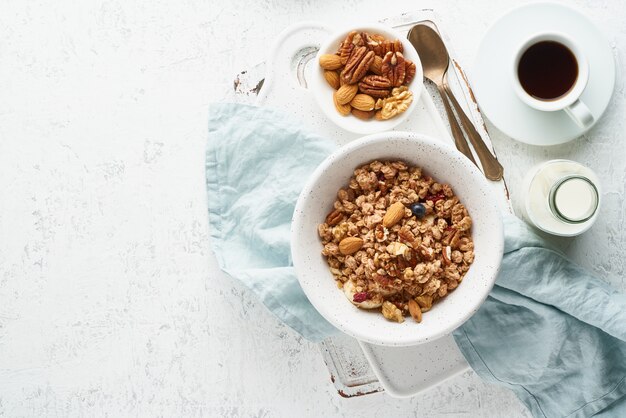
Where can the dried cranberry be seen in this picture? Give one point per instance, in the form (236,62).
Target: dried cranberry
(360,297)
(381,176)
(435,197)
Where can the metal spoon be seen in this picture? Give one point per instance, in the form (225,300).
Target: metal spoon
(435,61)
(435,66)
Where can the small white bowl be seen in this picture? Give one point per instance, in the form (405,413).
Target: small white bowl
(324,93)
(446,165)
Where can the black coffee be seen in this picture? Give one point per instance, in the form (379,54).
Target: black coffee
(547,70)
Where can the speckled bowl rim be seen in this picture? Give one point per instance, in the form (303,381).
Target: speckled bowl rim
(490,214)
(323,92)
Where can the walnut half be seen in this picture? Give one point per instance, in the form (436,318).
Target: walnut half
(391,312)
(399,101)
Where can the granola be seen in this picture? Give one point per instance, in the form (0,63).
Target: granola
(397,240)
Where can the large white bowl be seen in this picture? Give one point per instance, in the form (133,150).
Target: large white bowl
(445,164)
(323,92)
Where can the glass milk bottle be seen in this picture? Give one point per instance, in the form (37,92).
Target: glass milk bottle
(561,197)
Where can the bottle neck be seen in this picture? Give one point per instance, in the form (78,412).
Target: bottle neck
(573,199)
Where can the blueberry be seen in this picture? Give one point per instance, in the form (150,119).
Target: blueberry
(418,210)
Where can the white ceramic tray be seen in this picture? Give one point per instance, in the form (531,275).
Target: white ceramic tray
(405,371)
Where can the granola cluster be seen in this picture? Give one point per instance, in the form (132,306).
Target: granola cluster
(397,240)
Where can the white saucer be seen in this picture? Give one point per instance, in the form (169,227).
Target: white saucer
(491,73)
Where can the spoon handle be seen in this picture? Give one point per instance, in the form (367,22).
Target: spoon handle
(492,168)
(457,134)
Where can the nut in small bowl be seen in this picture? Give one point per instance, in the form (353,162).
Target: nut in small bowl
(367,79)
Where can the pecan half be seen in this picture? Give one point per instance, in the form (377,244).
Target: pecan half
(410,71)
(346,47)
(370,42)
(334,218)
(375,85)
(357,65)
(394,68)
(378,37)
(359,39)
(353,40)
(406,235)
(454,241)
(386,46)
(448,234)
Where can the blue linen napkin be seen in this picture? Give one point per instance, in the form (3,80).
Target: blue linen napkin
(549,331)
(256,164)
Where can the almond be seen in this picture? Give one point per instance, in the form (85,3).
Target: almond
(343,109)
(330,62)
(332,77)
(346,93)
(350,245)
(377,65)
(361,114)
(415,311)
(363,102)
(394,214)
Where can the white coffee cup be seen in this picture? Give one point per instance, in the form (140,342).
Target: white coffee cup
(570,101)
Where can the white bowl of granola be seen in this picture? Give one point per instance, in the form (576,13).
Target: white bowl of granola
(397,239)
(371,100)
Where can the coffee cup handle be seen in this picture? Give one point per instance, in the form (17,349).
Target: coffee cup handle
(580,113)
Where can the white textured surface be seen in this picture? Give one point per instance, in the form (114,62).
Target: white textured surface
(109,299)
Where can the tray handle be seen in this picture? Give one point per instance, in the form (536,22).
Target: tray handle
(293,49)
